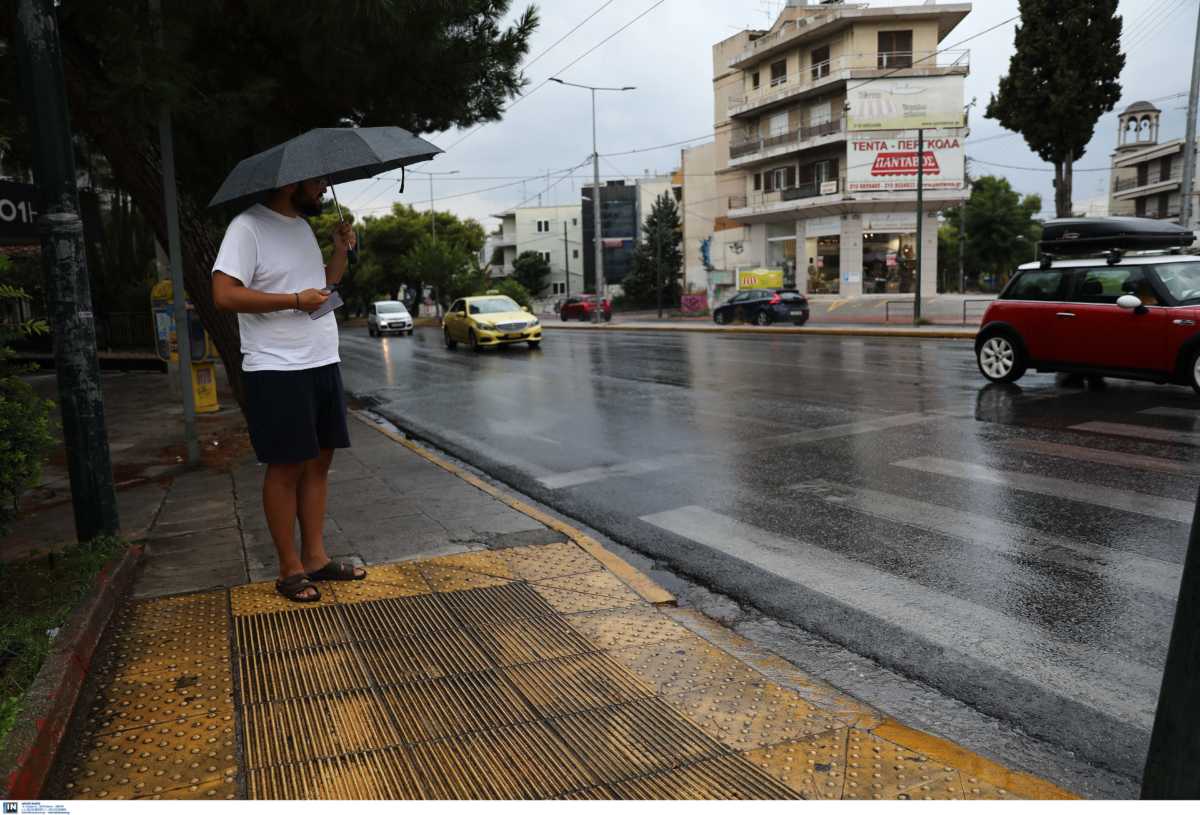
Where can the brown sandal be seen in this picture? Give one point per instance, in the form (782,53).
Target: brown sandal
(338,570)
(294,588)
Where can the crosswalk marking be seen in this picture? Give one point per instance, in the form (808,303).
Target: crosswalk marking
(1140,503)
(850,429)
(1137,431)
(1182,413)
(1090,676)
(587,475)
(1111,457)
(1148,574)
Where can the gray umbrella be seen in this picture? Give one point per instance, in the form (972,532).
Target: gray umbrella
(338,154)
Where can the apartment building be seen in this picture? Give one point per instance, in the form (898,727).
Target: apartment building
(1147,177)
(624,205)
(554,232)
(815,148)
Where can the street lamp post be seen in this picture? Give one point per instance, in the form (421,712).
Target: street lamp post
(598,246)
(432,213)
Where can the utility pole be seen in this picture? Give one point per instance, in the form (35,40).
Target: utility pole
(68,296)
(920,221)
(596,241)
(566,258)
(183,334)
(1189,142)
(1174,755)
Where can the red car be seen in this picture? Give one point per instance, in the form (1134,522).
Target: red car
(581,307)
(1093,306)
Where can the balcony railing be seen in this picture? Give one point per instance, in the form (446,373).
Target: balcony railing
(864,65)
(748,147)
(799,192)
(1123,184)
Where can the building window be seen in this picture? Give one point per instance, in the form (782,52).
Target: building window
(895,49)
(757,182)
(780,178)
(777,125)
(778,72)
(543,226)
(560,288)
(575,253)
(1164,170)
(544,256)
(820,113)
(574,222)
(820,62)
(754,80)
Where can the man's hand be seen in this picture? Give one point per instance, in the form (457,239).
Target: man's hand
(343,238)
(312,299)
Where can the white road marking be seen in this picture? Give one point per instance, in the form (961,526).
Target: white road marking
(1090,676)
(1148,574)
(1113,458)
(1137,431)
(1182,413)
(1137,502)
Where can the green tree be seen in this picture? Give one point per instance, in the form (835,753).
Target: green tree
(658,258)
(437,264)
(515,290)
(531,270)
(1002,232)
(24,417)
(242,78)
(1063,75)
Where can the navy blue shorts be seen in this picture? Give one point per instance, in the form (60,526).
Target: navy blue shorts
(294,415)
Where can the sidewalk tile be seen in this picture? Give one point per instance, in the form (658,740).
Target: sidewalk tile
(290,630)
(877,768)
(717,779)
(530,640)
(262,598)
(622,628)
(496,604)
(454,705)
(392,617)
(381,775)
(417,657)
(591,591)
(684,665)
(814,766)
(314,727)
(746,716)
(576,683)
(550,561)
(447,579)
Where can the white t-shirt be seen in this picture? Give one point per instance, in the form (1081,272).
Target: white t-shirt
(275,253)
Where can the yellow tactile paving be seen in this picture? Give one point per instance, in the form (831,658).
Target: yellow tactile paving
(515,674)
(592,591)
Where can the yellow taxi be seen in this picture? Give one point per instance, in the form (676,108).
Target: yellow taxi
(488,320)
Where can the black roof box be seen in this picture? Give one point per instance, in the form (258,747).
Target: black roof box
(1085,236)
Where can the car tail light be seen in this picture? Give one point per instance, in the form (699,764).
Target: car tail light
(775,300)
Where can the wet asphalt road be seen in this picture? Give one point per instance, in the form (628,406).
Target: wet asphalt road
(1016,547)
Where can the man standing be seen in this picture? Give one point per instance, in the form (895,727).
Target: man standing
(270,271)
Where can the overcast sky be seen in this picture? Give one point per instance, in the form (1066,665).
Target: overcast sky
(667,54)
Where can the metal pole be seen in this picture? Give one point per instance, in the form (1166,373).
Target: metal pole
(566,258)
(920,221)
(1171,765)
(68,296)
(962,243)
(432,214)
(599,248)
(183,334)
(1189,142)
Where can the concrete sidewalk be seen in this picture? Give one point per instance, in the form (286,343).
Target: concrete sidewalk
(493,652)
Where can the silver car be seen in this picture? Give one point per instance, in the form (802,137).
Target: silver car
(389,317)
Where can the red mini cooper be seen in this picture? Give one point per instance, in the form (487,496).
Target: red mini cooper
(1110,297)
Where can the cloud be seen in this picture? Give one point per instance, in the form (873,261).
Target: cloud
(668,56)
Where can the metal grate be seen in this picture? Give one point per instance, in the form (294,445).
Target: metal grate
(576,683)
(723,778)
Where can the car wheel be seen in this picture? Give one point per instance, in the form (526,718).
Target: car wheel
(1000,358)
(720,318)
(451,344)
(410,332)
(370,331)
(763,318)
(800,321)
(473,341)
(563,316)
(535,344)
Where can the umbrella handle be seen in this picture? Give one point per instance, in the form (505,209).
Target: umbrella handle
(352,254)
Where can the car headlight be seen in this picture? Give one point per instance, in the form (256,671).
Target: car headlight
(534,321)
(485,326)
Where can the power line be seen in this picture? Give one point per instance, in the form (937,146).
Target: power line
(545,82)
(569,33)
(1041,169)
(1139,25)
(659,146)
(1152,29)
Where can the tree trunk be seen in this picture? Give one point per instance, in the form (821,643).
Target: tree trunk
(1063,207)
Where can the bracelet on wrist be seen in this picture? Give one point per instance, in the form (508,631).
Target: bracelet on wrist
(297,301)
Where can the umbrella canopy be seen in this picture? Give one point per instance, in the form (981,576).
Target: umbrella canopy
(338,154)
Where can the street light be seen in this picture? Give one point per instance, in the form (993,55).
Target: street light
(598,247)
(432,214)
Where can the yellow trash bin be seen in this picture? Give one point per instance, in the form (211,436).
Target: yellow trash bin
(204,373)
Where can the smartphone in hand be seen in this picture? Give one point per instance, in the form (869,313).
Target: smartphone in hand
(334,301)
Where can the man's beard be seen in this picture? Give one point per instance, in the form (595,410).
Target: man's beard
(309,207)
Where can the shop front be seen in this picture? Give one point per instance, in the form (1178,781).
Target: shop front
(822,255)
(781,251)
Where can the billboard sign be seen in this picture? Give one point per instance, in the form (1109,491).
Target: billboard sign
(760,279)
(906,104)
(890,165)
